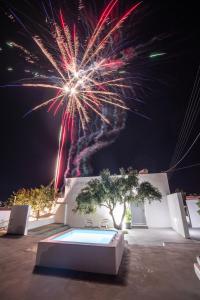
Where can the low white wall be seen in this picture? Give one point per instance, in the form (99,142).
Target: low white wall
(40,222)
(193,211)
(177,214)
(157,213)
(4,216)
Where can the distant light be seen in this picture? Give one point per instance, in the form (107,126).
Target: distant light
(156,54)
(27,71)
(10,44)
(1,49)
(10,69)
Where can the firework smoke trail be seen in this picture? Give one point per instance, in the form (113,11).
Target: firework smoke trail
(88,83)
(98,140)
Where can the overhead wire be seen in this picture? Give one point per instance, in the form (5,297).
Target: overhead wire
(185,125)
(187,167)
(186,153)
(190,125)
(189,119)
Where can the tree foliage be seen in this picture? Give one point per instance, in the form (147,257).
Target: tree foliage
(128,215)
(110,190)
(39,198)
(198,204)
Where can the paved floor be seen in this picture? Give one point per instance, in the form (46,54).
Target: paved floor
(195,233)
(153,237)
(147,272)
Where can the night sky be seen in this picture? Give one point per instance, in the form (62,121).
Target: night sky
(29,145)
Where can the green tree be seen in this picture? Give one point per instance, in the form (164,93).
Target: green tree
(38,198)
(108,191)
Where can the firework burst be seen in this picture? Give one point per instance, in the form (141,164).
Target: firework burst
(88,77)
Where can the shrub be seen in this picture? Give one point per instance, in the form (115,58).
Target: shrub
(39,199)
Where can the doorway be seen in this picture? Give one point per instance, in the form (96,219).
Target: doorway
(138,214)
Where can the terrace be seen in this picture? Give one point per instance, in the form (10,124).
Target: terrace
(165,270)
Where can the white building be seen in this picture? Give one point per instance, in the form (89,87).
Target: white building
(169,212)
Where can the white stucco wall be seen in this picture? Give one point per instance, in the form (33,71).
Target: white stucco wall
(73,188)
(177,214)
(60,211)
(157,213)
(194,215)
(40,222)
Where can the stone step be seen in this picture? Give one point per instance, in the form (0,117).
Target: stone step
(139,227)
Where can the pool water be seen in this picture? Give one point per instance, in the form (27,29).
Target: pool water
(88,236)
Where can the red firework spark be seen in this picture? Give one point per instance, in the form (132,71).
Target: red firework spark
(88,76)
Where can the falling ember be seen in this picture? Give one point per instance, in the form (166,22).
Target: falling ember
(156,54)
(89,75)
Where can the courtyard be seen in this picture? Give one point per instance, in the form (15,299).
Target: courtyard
(99,195)
(149,269)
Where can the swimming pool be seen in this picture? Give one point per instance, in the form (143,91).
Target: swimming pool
(87,236)
(88,250)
